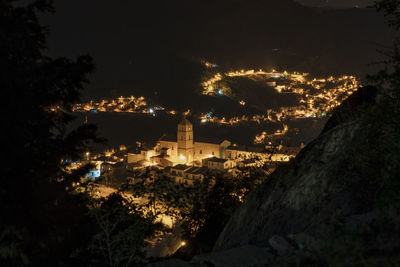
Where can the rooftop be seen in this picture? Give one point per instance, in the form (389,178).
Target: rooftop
(200,170)
(214,159)
(209,140)
(254,149)
(181,167)
(197,170)
(168,138)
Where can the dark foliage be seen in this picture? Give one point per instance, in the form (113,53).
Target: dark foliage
(43,220)
(201,209)
(391,9)
(387,79)
(122,228)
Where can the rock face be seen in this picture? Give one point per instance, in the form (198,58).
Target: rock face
(338,185)
(352,107)
(306,196)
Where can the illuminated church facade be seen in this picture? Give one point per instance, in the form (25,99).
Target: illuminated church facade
(183,149)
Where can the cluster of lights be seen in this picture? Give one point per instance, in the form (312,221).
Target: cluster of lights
(262,137)
(121,104)
(209,64)
(317,96)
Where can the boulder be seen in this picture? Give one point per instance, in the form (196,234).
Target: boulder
(281,245)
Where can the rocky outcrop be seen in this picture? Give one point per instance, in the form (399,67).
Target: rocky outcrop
(336,189)
(305,197)
(353,107)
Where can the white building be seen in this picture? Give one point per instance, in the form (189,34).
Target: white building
(219,164)
(183,149)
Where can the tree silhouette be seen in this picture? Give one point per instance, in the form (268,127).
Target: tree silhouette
(388,78)
(42,218)
(391,9)
(123,227)
(201,209)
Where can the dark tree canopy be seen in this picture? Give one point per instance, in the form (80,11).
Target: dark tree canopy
(391,9)
(41,217)
(387,79)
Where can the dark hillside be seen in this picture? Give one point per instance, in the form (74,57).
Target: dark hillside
(147,46)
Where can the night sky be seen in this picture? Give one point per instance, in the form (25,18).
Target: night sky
(151,47)
(337,3)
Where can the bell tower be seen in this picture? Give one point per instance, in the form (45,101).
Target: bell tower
(185,141)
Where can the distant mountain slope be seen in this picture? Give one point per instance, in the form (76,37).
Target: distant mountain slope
(147,46)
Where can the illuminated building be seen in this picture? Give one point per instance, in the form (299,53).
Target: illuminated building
(185,141)
(219,164)
(183,149)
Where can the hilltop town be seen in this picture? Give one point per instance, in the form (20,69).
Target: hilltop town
(318,96)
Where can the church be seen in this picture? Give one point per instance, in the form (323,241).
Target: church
(184,149)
